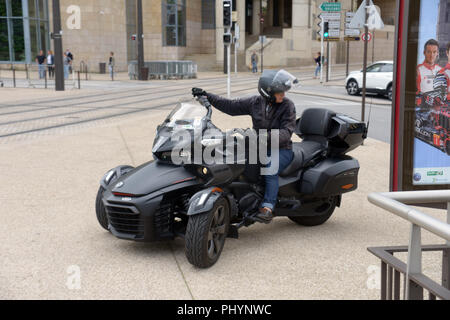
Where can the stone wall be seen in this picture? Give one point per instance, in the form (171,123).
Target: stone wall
(102,29)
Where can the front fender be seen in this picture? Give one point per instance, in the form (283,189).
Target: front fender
(203,201)
(113,175)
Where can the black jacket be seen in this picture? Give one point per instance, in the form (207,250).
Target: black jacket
(281,116)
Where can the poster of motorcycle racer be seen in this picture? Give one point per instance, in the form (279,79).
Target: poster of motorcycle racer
(432,120)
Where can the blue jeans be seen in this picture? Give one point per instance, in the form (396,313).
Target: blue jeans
(41,70)
(254,67)
(66,71)
(272,183)
(317,71)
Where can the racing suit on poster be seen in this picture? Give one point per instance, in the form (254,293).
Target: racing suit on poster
(425,78)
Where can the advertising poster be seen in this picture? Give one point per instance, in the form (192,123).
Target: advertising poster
(432,113)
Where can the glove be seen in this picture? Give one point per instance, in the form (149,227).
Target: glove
(197,92)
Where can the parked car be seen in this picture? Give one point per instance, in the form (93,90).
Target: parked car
(379,79)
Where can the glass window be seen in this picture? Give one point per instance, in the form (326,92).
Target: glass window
(12,33)
(131,13)
(171,37)
(3,12)
(374,68)
(174,22)
(208,14)
(4,48)
(33,39)
(387,68)
(42,9)
(16,7)
(43,31)
(32,9)
(18,42)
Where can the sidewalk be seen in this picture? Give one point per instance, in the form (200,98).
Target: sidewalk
(49,231)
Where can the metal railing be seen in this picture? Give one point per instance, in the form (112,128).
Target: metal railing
(35,76)
(391,267)
(165,69)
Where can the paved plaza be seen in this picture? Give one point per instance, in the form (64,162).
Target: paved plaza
(55,147)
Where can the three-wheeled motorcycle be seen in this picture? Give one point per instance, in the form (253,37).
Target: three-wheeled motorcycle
(206,203)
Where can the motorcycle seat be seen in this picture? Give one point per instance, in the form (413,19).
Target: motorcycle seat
(313,127)
(304,152)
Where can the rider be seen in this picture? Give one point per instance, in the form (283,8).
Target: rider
(270,110)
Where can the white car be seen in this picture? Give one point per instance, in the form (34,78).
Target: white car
(379,79)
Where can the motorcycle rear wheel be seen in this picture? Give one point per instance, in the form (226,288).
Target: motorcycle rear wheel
(324,212)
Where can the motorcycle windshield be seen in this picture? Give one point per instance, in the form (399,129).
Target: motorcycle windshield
(187,116)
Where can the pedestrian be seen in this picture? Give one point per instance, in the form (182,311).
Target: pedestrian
(40,59)
(318,60)
(70,56)
(254,59)
(111,64)
(50,64)
(67,62)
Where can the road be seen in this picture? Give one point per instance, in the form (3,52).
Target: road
(24,118)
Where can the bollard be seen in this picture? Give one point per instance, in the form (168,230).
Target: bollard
(79,81)
(86,72)
(45,76)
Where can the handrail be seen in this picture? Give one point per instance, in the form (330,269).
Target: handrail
(395,202)
(399,204)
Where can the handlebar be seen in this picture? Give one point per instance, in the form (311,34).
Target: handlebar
(204,102)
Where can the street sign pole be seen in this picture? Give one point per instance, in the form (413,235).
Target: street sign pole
(321,50)
(236,45)
(366,29)
(228,72)
(348,50)
(328,61)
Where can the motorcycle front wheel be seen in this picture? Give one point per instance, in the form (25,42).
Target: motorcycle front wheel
(206,233)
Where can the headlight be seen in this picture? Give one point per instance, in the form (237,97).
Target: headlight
(109,175)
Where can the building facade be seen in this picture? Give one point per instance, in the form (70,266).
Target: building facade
(180,30)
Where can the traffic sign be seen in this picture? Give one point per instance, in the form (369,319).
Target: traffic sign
(366,37)
(352,38)
(374,21)
(331,6)
(329,39)
(334,33)
(332,24)
(352,32)
(330,15)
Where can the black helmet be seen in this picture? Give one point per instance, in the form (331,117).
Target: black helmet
(275,81)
